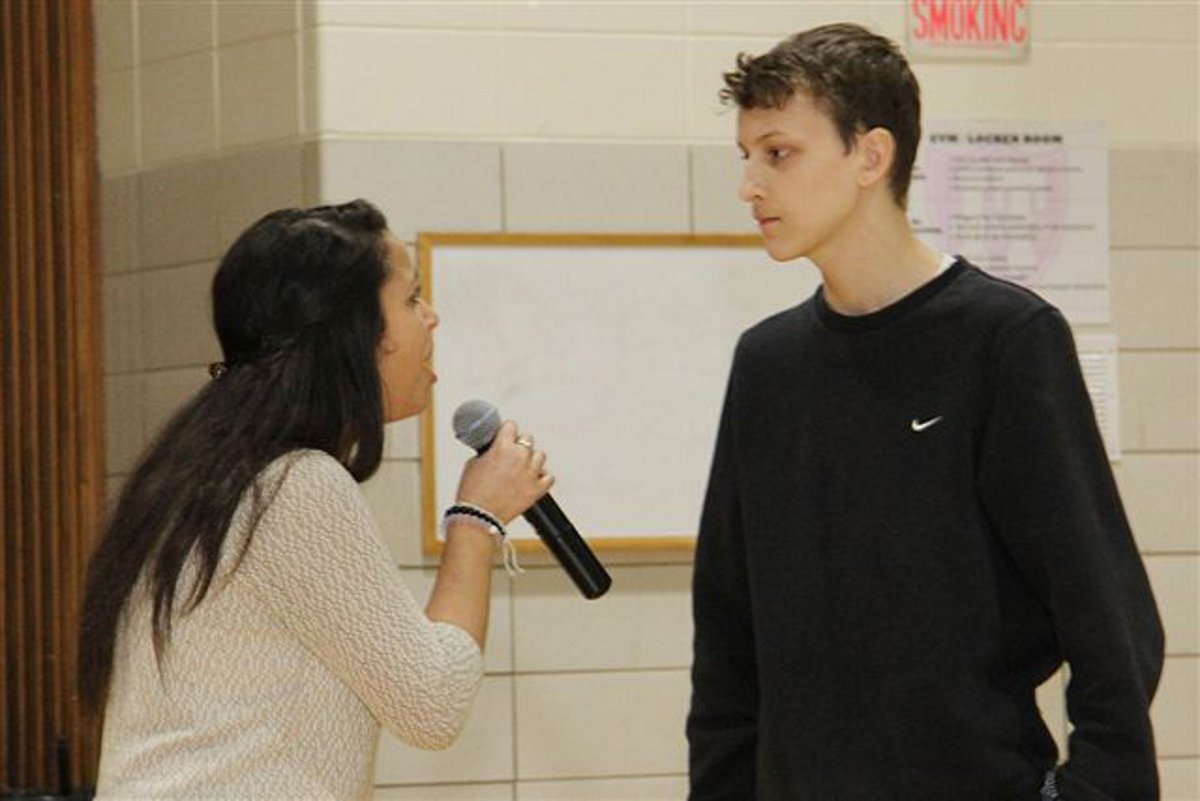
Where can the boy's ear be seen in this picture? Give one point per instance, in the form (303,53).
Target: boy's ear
(878,148)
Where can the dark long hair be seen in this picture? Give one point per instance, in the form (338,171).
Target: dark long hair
(297,312)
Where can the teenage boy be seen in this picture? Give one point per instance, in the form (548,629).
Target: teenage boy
(911,522)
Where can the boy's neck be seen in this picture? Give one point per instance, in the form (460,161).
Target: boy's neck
(875,262)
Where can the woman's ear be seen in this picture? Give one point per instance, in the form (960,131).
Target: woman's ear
(878,148)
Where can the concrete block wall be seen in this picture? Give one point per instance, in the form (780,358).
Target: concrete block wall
(602,116)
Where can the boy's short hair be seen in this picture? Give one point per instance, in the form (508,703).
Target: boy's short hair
(860,79)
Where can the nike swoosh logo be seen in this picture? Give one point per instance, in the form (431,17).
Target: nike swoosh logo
(918,425)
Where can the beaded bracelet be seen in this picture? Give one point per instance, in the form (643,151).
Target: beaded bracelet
(471,510)
(470,513)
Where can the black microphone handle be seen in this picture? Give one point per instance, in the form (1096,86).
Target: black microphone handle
(570,549)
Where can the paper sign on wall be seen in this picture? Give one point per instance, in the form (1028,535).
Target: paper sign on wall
(1098,359)
(989,30)
(1025,201)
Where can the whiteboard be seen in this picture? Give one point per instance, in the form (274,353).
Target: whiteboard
(611,350)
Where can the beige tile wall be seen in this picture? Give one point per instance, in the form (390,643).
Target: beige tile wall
(177,107)
(561,115)
(255,19)
(596,187)
(422,185)
(167,28)
(628,789)
(258,97)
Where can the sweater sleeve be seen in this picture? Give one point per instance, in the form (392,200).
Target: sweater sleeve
(1047,488)
(722,724)
(317,563)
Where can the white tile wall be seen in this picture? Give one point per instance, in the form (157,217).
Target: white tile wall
(498,653)
(403,439)
(588,86)
(645,621)
(1179,779)
(406,82)
(369,14)
(708,120)
(394,496)
(1160,400)
(1146,21)
(601,724)
(446,792)
(1132,114)
(1176,582)
(628,188)
(1174,711)
(777,20)
(1051,700)
(1156,298)
(655,788)
(716,174)
(419,185)
(483,752)
(1154,195)
(1161,48)
(574,15)
(1161,500)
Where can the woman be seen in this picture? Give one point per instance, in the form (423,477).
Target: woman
(244,629)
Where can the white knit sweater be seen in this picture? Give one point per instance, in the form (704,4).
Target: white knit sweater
(276,684)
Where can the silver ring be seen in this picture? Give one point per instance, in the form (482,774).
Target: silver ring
(525,441)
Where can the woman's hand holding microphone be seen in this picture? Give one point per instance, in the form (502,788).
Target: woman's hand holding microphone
(496,486)
(507,478)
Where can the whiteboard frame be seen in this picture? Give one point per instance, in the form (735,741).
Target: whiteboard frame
(427,243)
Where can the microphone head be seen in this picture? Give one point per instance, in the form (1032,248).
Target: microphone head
(476,423)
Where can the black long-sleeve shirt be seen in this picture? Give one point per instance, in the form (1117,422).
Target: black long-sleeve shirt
(910,524)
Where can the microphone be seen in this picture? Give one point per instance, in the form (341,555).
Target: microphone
(475,425)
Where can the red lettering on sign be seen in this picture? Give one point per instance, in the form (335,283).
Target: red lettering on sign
(1018,31)
(939,14)
(971,20)
(918,11)
(997,21)
(966,21)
